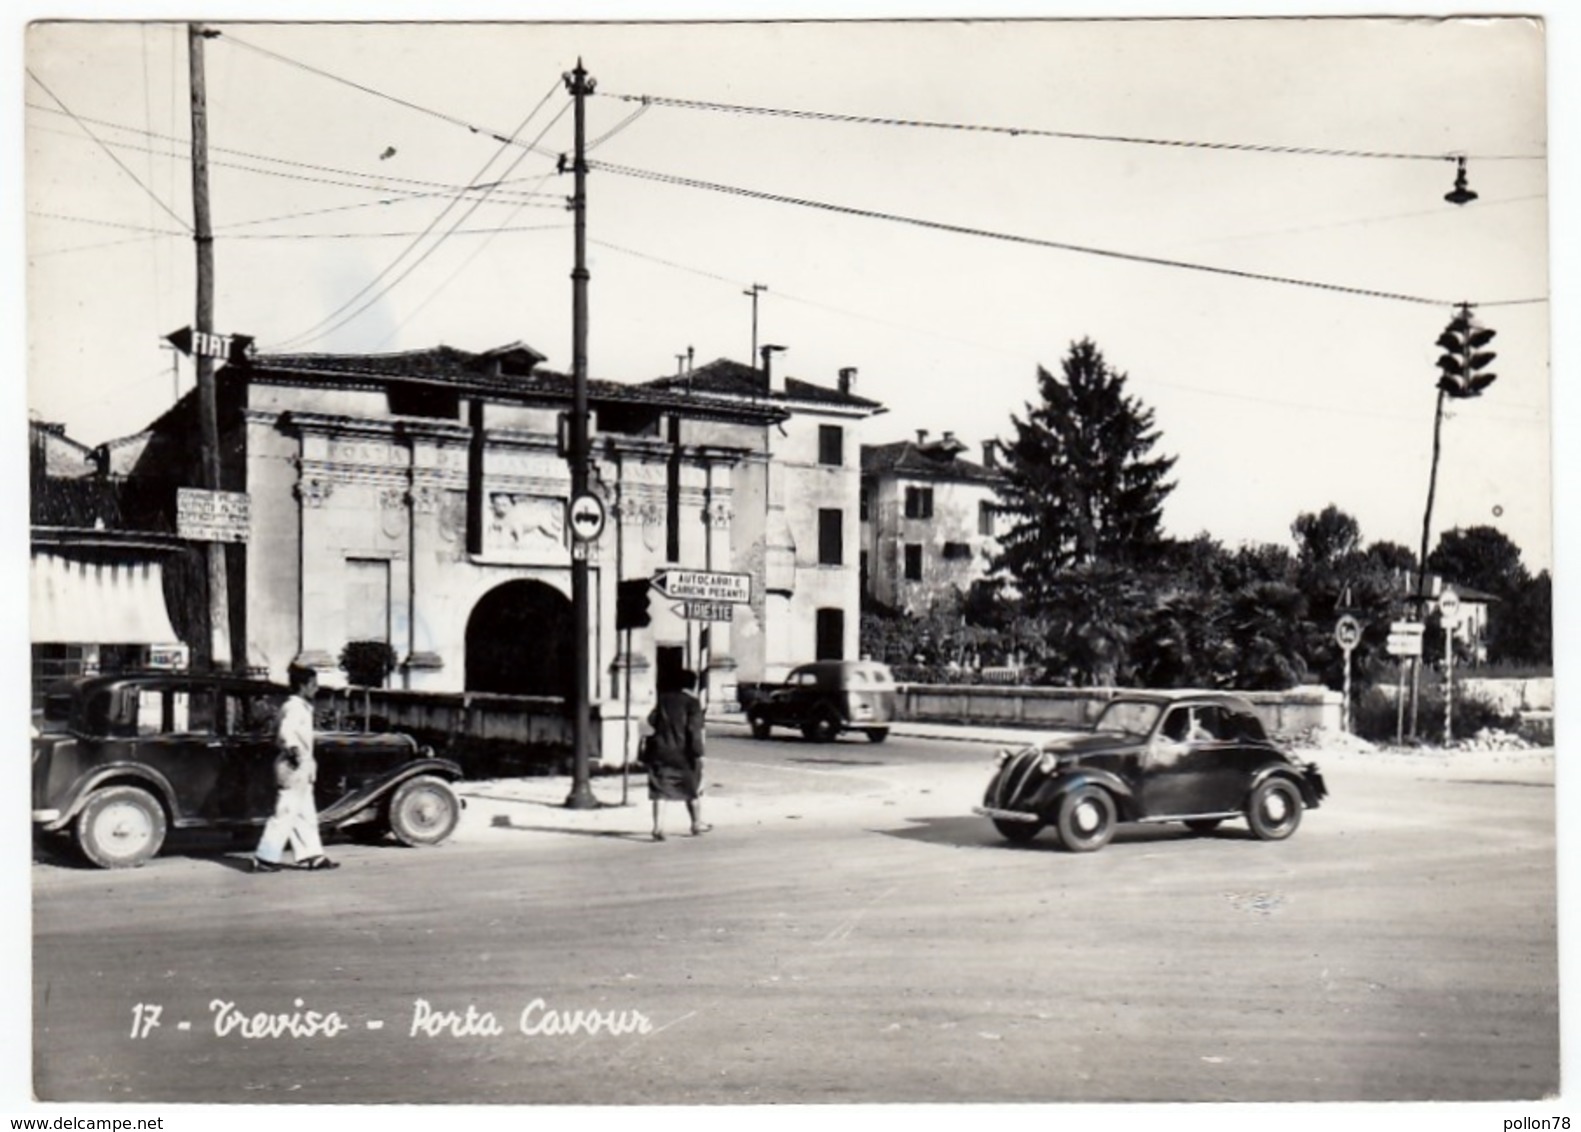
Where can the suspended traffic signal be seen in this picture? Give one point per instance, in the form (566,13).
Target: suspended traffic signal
(1464,361)
(631,604)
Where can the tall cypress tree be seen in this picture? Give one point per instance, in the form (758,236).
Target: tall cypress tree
(1087,496)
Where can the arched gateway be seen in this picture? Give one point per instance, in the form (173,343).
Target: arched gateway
(519,641)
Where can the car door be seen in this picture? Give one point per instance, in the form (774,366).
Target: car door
(1185,770)
(253,785)
(790,702)
(177,737)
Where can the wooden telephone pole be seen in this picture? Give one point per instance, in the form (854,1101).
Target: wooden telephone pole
(203,324)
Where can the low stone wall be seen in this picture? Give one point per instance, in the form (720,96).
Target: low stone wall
(1511,696)
(1294,710)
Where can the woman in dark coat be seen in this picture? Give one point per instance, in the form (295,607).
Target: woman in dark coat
(673,754)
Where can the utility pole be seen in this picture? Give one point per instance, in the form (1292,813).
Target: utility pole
(203,324)
(581,797)
(754,291)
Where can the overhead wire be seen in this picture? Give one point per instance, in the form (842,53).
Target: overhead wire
(1069,135)
(329,324)
(1034,241)
(503,139)
(108,152)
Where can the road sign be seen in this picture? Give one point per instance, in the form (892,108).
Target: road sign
(1449,607)
(587,518)
(212,516)
(705,610)
(1405,638)
(233,348)
(705,586)
(1347,631)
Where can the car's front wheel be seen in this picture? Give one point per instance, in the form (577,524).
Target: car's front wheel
(1274,810)
(1019,832)
(121,827)
(424,811)
(1086,819)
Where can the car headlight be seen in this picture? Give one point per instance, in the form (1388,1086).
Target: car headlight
(1003,755)
(1049,763)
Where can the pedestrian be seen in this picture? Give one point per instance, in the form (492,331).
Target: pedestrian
(295,820)
(673,753)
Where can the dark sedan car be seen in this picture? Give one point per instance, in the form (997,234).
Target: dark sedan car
(1195,757)
(132,756)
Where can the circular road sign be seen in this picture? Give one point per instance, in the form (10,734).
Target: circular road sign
(1449,606)
(1347,631)
(587,518)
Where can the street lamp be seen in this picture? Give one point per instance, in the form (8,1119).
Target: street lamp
(1460,194)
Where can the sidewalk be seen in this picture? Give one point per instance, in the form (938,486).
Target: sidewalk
(1005,736)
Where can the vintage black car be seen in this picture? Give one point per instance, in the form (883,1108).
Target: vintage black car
(1195,757)
(131,756)
(827,697)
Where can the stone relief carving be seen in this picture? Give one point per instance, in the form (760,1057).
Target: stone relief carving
(424,499)
(719,515)
(523,525)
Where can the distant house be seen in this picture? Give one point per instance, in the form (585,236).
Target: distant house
(930,520)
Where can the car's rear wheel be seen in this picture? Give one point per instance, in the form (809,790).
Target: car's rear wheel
(121,827)
(822,727)
(877,734)
(1086,819)
(760,726)
(1274,810)
(1203,825)
(424,811)
(1018,831)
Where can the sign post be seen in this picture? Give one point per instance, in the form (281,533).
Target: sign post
(1405,640)
(1449,617)
(1347,631)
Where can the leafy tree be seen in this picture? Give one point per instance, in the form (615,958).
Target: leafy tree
(1087,497)
(1481,557)
(1525,627)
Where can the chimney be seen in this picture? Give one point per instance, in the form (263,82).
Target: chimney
(922,436)
(847,380)
(772,382)
(990,453)
(949,437)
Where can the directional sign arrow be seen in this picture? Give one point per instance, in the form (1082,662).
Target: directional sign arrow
(236,349)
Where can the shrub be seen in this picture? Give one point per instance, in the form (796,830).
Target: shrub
(1376,714)
(367,664)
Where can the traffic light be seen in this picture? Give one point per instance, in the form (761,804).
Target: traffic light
(631,604)
(1464,361)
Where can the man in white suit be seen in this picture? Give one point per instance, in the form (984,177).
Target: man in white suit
(295,820)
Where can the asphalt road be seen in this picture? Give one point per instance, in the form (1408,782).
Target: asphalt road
(849,932)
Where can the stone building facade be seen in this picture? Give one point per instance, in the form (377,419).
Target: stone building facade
(420,499)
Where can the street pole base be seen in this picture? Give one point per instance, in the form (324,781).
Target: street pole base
(581,798)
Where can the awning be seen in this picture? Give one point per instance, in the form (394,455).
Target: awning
(103,603)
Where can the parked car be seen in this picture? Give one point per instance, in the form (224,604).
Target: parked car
(1201,758)
(143,753)
(827,697)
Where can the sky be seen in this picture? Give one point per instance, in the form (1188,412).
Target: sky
(1276,398)
(336,152)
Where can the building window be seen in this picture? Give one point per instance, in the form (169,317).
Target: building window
(861,572)
(831,445)
(957,551)
(863,505)
(985,518)
(831,536)
(913,562)
(919,503)
(831,634)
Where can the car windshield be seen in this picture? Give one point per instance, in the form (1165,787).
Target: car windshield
(1134,717)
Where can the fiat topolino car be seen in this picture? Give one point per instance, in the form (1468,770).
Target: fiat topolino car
(1200,758)
(826,697)
(132,756)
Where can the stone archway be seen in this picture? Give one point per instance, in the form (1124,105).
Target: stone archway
(519,641)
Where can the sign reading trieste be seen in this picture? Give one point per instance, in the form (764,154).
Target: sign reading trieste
(212,516)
